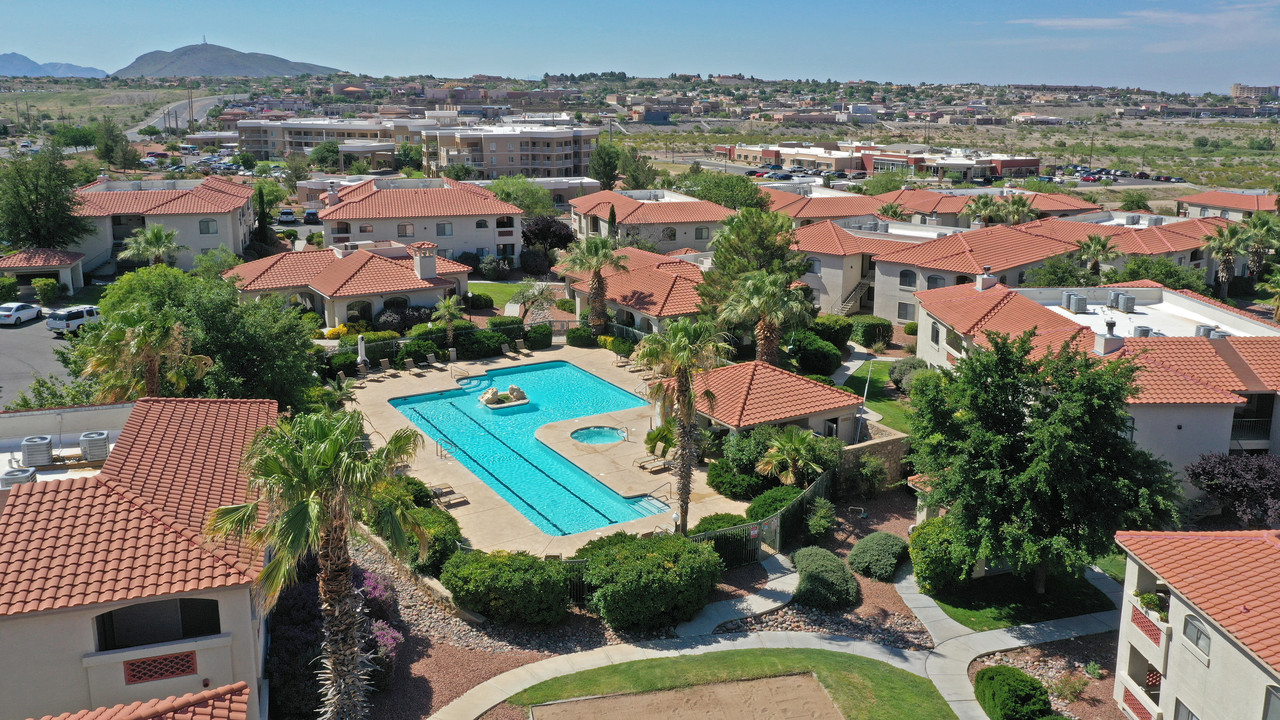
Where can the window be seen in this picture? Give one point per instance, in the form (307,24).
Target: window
(366,228)
(702,233)
(482,224)
(907,279)
(506,250)
(812,265)
(831,427)
(511,146)
(342,228)
(1182,259)
(1223,214)
(506,221)
(208,226)
(157,622)
(668,234)
(444,229)
(906,311)
(404,230)
(558,199)
(935,281)
(1204,212)
(1022,277)
(1195,631)
(1004,279)
(1272,711)
(1180,712)
(934,333)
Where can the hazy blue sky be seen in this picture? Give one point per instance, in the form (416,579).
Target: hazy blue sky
(1159,44)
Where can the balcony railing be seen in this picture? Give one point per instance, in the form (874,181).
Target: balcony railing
(1136,702)
(1254,429)
(1152,638)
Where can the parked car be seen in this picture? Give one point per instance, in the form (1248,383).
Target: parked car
(775,167)
(1141,176)
(785,176)
(16,313)
(287,217)
(311,217)
(70,320)
(751,173)
(842,175)
(1089,178)
(1176,180)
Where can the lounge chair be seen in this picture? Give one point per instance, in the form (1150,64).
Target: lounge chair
(342,380)
(622,361)
(441,490)
(645,459)
(413,369)
(366,373)
(658,466)
(451,500)
(431,363)
(506,350)
(386,368)
(523,349)
(636,367)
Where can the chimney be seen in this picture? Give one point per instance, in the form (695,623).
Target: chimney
(1108,343)
(976,225)
(334,198)
(986,280)
(424,261)
(102,174)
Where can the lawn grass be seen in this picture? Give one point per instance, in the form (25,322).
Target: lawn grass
(500,292)
(894,412)
(1006,600)
(1113,566)
(88,295)
(863,689)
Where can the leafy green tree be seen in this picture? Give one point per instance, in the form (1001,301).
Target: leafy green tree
(1034,457)
(735,192)
(109,141)
(73,136)
(409,156)
(603,165)
(1225,245)
(448,311)
(359,167)
(155,244)
(314,478)
(247,160)
(296,169)
(592,256)
(1095,250)
(751,240)
(883,182)
(1131,200)
(769,303)
(792,458)
(545,232)
(263,233)
(459,171)
(525,194)
(684,349)
(212,264)
(1159,269)
(533,296)
(38,202)
(325,155)
(640,175)
(1059,271)
(150,131)
(48,391)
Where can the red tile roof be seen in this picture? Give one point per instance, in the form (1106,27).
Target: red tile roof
(634,258)
(665,289)
(40,257)
(752,393)
(634,212)
(999,308)
(927,202)
(229,702)
(213,195)
(827,238)
(365,201)
(1231,577)
(359,273)
(802,207)
(1232,201)
(999,246)
(135,529)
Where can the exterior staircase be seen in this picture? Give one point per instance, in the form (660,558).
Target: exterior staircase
(853,300)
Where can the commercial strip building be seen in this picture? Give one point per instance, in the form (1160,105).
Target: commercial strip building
(668,219)
(363,138)
(917,159)
(511,149)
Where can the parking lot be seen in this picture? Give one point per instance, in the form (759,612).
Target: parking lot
(25,349)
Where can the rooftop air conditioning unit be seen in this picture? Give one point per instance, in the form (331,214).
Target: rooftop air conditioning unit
(1203,330)
(37,450)
(884,227)
(94,446)
(1128,303)
(351,246)
(9,478)
(1141,331)
(1066,298)
(1219,334)
(1113,298)
(1079,304)
(1157,220)
(1132,220)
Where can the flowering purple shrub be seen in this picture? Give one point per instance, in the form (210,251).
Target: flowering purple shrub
(385,644)
(379,595)
(1247,484)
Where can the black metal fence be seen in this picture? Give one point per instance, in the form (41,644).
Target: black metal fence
(744,544)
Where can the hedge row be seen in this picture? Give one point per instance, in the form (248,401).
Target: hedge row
(869,330)
(508,587)
(1007,693)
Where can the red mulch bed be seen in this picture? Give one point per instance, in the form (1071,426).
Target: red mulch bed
(891,511)
(740,582)
(1051,661)
(430,675)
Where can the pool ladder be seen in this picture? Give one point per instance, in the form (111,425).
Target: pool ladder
(664,497)
(457,372)
(444,449)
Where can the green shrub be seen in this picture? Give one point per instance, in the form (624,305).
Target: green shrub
(744,486)
(538,337)
(443,536)
(580,337)
(911,328)
(899,370)
(602,341)
(512,327)
(417,491)
(480,344)
(771,501)
(8,289)
(869,330)
(1007,693)
(495,268)
(353,339)
(717,521)
(877,555)
(418,350)
(937,557)
(835,329)
(436,332)
(742,451)
(469,259)
(825,581)
(620,538)
(508,587)
(534,261)
(622,346)
(814,355)
(651,582)
(914,375)
(480,301)
(566,305)
(47,290)
(822,379)
(821,519)
(345,362)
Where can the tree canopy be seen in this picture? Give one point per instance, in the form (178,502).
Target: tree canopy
(325,154)
(38,202)
(603,165)
(751,240)
(525,194)
(883,182)
(732,191)
(1159,269)
(547,233)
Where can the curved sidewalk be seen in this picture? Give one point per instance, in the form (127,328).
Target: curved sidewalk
(479,699)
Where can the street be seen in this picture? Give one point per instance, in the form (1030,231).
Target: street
(200,107)
(26,349)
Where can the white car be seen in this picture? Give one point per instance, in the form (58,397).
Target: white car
(17,313)
(69,320)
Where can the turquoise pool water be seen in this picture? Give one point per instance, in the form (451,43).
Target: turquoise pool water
(498,445)
(598,435)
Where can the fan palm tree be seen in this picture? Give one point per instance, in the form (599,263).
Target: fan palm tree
(790,457)
(1018,209)
(1095,250)
(311,477)
(593,255)
(1271,286)
(893,211)
(684,349)
(153,243)
(983,208)
(333,396)
(1225,246)
(533,295)
(1262,236)
(448,311)
(136,352)
(768,302)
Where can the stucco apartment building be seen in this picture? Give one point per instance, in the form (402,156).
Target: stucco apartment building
(512,149)
(1214,654)
(668,219)
(455,216)
(278,138)
(653,290)
(841,268)
(944,207)
(1229,205)
(918,159)
(109,593)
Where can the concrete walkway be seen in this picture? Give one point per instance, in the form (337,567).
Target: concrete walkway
(849,367)
(776,593)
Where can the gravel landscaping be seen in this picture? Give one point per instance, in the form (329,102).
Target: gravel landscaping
(1051,661)
(894,630)
(891,511)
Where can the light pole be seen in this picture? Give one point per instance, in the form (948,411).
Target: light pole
(468,306)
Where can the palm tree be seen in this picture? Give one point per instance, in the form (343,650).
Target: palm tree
(1262,236)
(1096,250)
(1018,209)
(533,295)
(153,243)
(333,396)
(448,311)
(136,352)
(768,302)
(311,477)
(1271,286)
(593,255)
(983,208)
(686,348)
(1224,246)
(893,211)
(791,456)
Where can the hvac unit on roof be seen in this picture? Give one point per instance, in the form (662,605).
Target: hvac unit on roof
(1203,330)
(9,478)
(1066,298)
(1113,298)
(1157,220)
(37,450)
(1141,331)
(94,445)
(1219,334)
(1132,220)
(1079,304)
(1128,303)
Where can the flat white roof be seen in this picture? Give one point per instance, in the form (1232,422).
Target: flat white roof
(1166,312)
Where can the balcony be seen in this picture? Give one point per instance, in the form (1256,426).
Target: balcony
(1251,430)
(110,672)
(1135,702)
(1152,637)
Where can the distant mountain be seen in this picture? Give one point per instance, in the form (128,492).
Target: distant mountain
(215,61)
(15,65)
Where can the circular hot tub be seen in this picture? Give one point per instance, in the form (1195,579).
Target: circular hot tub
(598,435)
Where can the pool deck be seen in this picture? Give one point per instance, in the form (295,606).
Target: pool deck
(489,522)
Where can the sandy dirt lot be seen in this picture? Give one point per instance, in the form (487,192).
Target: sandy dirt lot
(780,698)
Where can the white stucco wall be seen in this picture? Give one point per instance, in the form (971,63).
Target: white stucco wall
(1180,434)
(466,236)
(686,233)
(889,292)
(834,277)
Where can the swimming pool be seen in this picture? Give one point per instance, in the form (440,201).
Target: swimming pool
(498,444)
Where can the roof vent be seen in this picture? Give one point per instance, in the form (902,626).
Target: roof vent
(1109,342)
(17,476)
(1142,331)
(94,446)
(37,450)
(1128,303)
(1203,330)
(1219,334)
